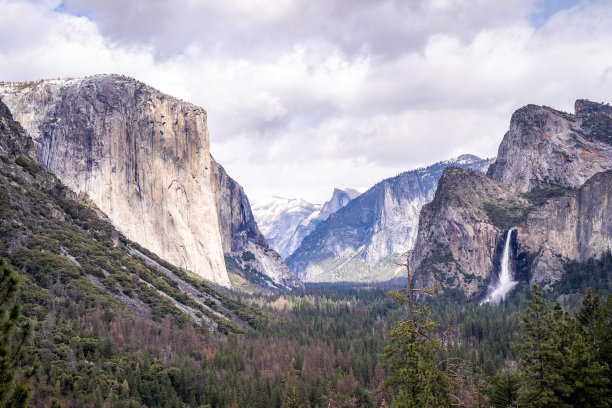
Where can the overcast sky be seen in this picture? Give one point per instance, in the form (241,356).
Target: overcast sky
(304,95)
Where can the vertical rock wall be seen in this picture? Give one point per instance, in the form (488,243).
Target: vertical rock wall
(142,157)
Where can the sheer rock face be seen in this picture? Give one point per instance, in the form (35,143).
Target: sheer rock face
(141,156)
(13,140)
(577,226)
(545,145)
(240,235)
(457,244)
(460,232)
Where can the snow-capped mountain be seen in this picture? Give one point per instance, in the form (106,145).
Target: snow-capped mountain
(286,221)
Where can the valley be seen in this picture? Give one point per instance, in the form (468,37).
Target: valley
(148,280)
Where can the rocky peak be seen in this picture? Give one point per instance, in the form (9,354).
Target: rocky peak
(551,183)
(464,159)
(544,145)
(461,230)
(339,199)
(585,108)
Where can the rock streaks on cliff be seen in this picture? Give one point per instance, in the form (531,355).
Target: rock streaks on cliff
(457,240)
(240,235)
(143,158)
(574,227)
(545,145)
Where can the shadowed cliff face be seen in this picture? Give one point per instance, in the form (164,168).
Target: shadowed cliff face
(240,236)
(574,227)
(141,156)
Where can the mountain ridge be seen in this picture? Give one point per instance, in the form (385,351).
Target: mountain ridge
(363,240)
(286,221)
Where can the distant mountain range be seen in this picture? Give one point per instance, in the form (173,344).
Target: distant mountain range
(363,240)
(286,221)
(142,159)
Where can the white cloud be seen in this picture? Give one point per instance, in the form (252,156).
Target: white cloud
(304,95)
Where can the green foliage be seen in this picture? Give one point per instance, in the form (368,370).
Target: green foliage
(578,277)
(560,364)
(503,388)
(505,214)
(15,334)
(543,192)
(414,379)
(28,165)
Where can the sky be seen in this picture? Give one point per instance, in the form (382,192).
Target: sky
(305,95)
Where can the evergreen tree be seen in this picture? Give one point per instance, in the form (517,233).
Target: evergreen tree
(15,333)
(415,380)
(503,388)
(559,365)
(593,384)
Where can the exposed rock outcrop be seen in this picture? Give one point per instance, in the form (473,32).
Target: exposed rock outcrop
(363,240)
(241,239)
(458,241)
(574,227)
(142,157)
(340,198)
(63,245)
(546,145)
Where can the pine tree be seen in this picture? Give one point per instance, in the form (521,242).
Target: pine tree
(593,383)
(415,380)
(558,358)
(15,333)
(503,388)
(534,355)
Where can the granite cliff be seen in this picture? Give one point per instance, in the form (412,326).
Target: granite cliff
(461,231)
(63,247)
(576,226)
(546,145)
(550,182)
(141,156)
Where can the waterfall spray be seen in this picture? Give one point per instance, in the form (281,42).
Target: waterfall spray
(504,280)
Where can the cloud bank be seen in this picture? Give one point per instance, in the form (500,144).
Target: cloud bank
(304,96)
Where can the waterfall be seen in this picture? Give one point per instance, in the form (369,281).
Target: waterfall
(504,280)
